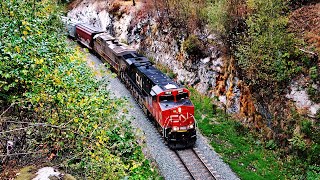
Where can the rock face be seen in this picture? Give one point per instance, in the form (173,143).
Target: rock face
(163,47)
(211,75)
(299,95)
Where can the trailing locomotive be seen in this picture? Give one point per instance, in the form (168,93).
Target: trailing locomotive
(165,101)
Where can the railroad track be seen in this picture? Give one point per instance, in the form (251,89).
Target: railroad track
(195,165)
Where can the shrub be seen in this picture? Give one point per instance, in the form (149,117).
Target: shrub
(313,72)
(217,15)
(313,172)
(186,15)
(313,93)
(268,56)
(68,112)
(193,46)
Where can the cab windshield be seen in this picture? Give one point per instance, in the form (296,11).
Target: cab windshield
(183,95)
(165,98)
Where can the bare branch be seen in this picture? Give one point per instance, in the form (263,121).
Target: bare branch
(7,109)
(31,125)
(34,124)
(16,154)
(18,129)
(309,52)
(64,124)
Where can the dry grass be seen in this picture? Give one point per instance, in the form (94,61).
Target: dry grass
(305,22)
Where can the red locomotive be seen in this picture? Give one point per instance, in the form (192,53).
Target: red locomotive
(160,98)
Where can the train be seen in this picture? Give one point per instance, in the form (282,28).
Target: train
(163,100)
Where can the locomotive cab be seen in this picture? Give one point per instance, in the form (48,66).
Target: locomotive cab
(177,117)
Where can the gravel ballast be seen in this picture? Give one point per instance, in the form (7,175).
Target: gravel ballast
(155,148)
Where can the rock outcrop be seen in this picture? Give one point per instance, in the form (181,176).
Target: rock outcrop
(213,75)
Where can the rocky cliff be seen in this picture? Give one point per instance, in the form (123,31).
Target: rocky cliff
(213,73)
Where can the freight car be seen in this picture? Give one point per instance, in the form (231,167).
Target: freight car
(161,99)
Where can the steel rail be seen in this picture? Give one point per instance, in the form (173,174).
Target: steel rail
(194,173)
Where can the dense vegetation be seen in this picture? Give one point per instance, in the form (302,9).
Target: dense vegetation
(53,107)
(268,54)
(248,156)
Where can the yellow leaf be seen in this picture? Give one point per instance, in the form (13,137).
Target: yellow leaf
(24,22)
(39,61)
(25,33)
(95,126)
(17,49)
(11,13)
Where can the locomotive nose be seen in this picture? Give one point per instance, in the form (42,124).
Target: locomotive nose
(181,118)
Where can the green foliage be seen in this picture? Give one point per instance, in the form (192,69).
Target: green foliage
(38,68)
(193,46)
(318,114)
(185,15)
(313,173)
(217,15)
(268,54)
(268,58)
(313,72)
(239,148)
(298,142)
(252,158)
(271,144)
(306,127)
(313,93)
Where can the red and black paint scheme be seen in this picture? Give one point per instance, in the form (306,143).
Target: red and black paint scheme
(165,101)
(85,34)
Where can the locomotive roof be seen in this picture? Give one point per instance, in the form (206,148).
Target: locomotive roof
(153,74)
(89,28)
(104,37)
(117,47)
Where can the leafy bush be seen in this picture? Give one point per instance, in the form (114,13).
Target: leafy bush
(185,15)
(240,149)
(217,15)
(81,123)
(313,72)
(268,56)
(313,172)
(313,93)
(193,46)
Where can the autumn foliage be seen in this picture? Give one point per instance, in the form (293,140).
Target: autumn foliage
(53,109)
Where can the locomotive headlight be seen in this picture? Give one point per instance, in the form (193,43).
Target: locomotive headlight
(175,128)
(179,109)
(191,126)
